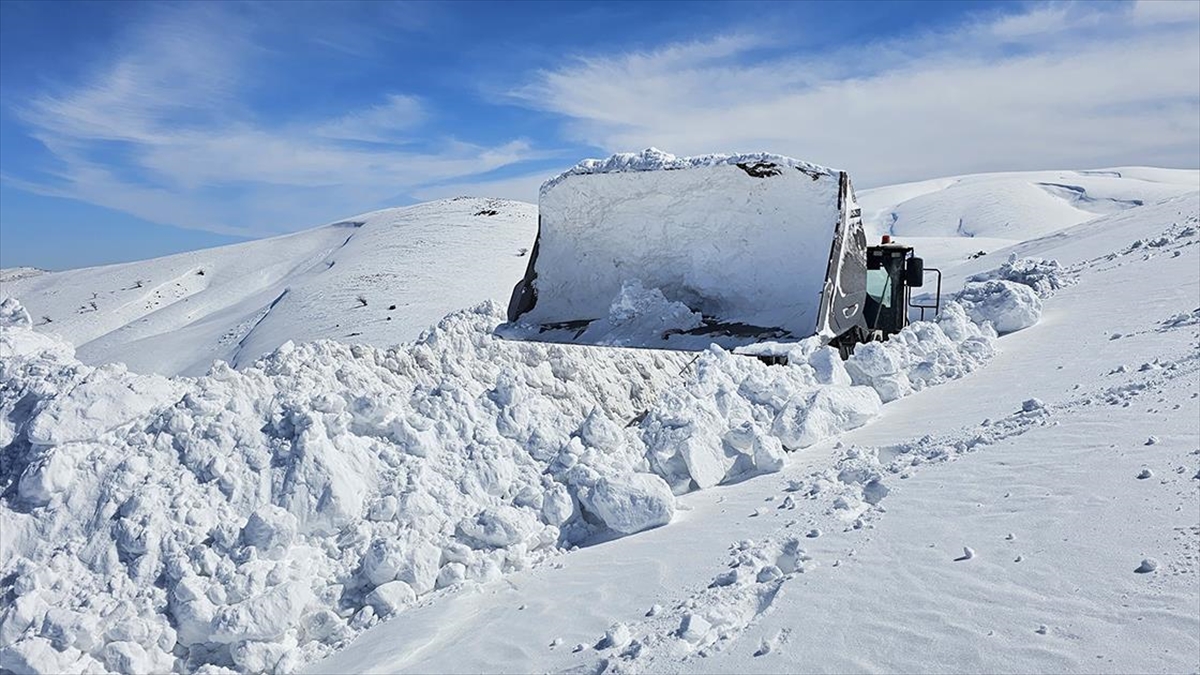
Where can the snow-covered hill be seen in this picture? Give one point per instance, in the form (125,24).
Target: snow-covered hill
(411,266)
(949,500)
(1041,514)
(379,278)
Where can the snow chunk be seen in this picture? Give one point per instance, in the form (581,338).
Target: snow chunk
(1043,276)
(13,315)
(638,316)
(1006,305)
(824,413)
(262,617)
(389,598)
(632,503)
(653,159)
(694,628)
(270,529)
(497,527)
(1148,565)
(616,637)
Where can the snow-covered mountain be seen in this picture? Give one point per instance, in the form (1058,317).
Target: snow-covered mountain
(379,278)
(411,266)
(950,500)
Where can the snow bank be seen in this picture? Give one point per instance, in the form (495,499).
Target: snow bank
(257,519)
(923,354)
(1007,305)
(1043,276)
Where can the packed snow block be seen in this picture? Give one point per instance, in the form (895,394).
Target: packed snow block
(262,617)
(50,473)
(1043,276)
(270,529)
(107,398)
(558,506)
(192,611)
(127,657)
(389,598)
(1007,305)
(497,527)
(828,366)
(631,503)
(682,226)
(825,413)
(706,459)
(13,315)
(880,366)
(252,656)
(26,611)
(38,655)
(765,452)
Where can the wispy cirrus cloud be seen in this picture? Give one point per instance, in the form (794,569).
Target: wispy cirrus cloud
(1062,85)
(163,132)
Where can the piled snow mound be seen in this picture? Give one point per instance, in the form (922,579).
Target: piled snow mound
(923,354)
(1045,277)
(653,159)
(1007,305)
(640,316)
(12,314)
(257,519)
(253,519)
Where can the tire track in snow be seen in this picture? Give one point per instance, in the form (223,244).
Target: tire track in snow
(711,619)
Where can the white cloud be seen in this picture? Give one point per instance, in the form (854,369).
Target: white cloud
(378,123)
(161,132)
(1057,86)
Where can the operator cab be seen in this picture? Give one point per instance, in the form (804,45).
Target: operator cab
(892,272)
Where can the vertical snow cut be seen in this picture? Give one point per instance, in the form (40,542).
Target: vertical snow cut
(756,247)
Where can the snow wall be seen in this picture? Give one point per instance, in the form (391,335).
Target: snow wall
(738,239)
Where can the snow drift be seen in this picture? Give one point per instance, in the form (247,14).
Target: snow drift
(258,519)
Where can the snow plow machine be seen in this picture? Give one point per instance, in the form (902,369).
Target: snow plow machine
(751,252)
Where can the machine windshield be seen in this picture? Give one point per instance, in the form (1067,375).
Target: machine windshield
(879,286)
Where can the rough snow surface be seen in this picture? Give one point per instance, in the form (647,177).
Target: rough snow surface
(1006,305)
(653,159)
(256,519)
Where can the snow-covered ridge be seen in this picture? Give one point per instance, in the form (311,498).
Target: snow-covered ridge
(10,274)
(377,278)
(653,159)
(1004,208)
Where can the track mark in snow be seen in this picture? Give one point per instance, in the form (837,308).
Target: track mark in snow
(853,490)
(1078,197)
(237,354)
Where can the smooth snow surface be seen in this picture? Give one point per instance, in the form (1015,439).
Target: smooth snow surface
(1016,206)
(176,315)
(740,238)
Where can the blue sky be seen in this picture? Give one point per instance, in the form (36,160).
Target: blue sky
(135,129)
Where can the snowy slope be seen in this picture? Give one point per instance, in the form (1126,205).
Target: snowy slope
(177,314)
(1016,206)
(1039,515)
(261,518)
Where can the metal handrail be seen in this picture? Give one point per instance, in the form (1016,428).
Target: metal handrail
(937,299)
